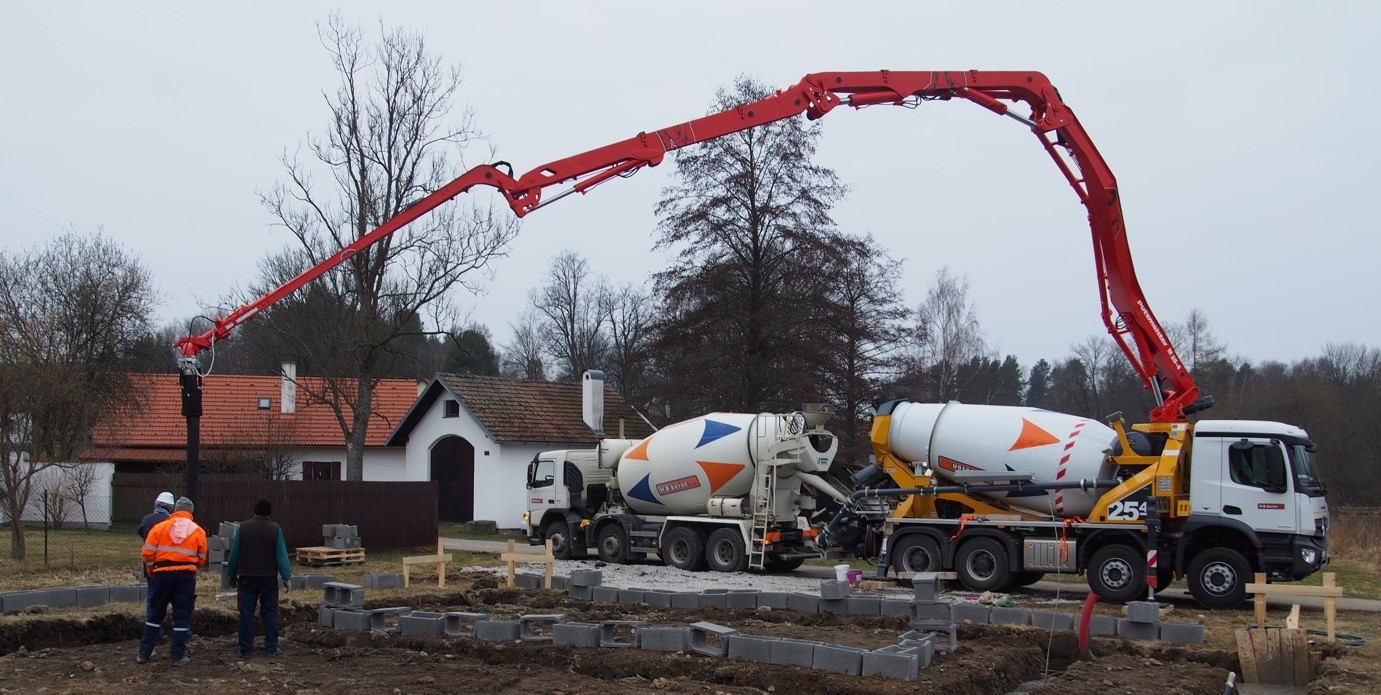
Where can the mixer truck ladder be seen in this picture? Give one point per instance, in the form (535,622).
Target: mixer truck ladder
(764,513)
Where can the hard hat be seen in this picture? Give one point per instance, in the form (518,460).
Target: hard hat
(164,498)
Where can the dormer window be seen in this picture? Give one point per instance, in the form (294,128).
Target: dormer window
(450,408)
(265,403)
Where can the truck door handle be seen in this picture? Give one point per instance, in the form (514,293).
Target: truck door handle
(1229,509)
(551,501)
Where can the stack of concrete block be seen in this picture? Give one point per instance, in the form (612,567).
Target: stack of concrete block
(217,551)
(342,607)
(310,581)
(929,613)
(1142,621)
(340,536)
(583,583)
(834,597)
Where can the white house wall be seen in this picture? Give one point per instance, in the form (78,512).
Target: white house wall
(56,480)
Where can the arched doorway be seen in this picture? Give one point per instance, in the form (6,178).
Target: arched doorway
(453,469)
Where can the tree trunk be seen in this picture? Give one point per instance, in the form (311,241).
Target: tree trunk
(354,448)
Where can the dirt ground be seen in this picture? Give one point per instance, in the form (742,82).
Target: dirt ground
(95,653)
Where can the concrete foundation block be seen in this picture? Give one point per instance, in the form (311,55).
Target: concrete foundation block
(831,657)
(539,627)
(228,529)
(1134,630)
(558,582)
(586,577)
(803,603)
(422,624)
(776,600)
(327,530)
(837,606)
(834,589)
(663,639)
(92,595)
(583,593)
(716,598)
(1182,633)
(350,620)
(656,599)
(923,650)
(1010,616)
(347,531)
(710,639)
(685,601)
(631,596)
(388,619)
(750,648)
(1048,620)
(216,556)
(310,581)
(744,599)
(891,665)
(620,633)
(217,543)
(1143,611)
(461,624)
(927,585)
(497,630)
(575,634)
(126,594)
(384,580)
(794,652)
(57,598)
(890,606)
(325,616)
(604,594)
(932,610)
(975,613)
(864,605)
(528,581)
(342,595)
(1102,626)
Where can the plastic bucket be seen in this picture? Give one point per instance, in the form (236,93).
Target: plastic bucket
(855,576)
(841,573)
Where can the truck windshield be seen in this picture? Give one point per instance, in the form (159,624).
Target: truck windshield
(1306,471)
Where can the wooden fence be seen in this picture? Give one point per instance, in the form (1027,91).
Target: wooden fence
(390,515)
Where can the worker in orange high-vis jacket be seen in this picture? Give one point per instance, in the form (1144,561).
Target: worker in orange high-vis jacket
(173,552)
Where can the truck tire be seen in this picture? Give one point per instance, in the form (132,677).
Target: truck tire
(777,563)
(982,565)
(1218,578)
(613,544)
(684,548)
(559,533)
(1117,573)
(725,551)
(916,553)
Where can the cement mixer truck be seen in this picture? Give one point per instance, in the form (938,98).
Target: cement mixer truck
(1003,495)
(725,491)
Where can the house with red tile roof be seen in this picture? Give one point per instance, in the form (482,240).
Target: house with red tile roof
(246,418)
(475,435)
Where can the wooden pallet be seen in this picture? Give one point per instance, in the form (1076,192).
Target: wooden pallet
(320,556)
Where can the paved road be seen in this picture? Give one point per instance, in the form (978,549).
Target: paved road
(1173,595)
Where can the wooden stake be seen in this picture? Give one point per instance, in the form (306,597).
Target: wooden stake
(1330,604)
(512,558)
(550,559)
(1260,602)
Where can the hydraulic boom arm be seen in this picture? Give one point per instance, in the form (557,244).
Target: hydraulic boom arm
(1125,311)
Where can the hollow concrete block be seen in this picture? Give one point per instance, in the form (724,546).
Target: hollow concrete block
(383,580)
(716,598)
(1134,630)
(1049,620)
(1010,616)
(833,589)
(803,603)
(894,607)
(1182,633)
(837,606)
(631,596)
(927,586)
(497,630)
(750,648)
(663,639)
(310,581)
(838,659)
(523,580)
(92,595)
(975,613)
(890,665)
(701,642)
(793,652)
(1102,626)
(583,593)
(1143,611)
(325,616)
(686,601)
(929,611)
(864,605)
(776,600)
(575,634)
(389,619)
(604,594)
(586,578)
(529,625)
(422,624)
(610,630)
(462,624)
(656,599)
(350,620)
(342,595)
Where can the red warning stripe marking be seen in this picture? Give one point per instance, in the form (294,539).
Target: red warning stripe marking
(1064,462)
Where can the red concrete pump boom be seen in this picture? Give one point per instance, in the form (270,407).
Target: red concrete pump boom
(1125,311)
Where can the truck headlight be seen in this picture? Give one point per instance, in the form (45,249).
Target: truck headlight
(1308,555)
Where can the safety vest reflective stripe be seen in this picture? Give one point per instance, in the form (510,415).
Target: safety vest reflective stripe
(175,549)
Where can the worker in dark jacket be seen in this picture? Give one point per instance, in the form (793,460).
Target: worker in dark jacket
(162,509)
(173,553)
(258,558)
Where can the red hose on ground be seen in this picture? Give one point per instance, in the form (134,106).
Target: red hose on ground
(1084,618)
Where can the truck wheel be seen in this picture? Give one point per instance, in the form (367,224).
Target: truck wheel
(725,551)
(684,549)
(1026,578)
(1218,578)
(559,533)
(916,553)
(777,563)
(613,544)
(1117,573)
(982,565)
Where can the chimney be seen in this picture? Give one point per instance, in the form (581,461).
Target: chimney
(288,399)
(592,400)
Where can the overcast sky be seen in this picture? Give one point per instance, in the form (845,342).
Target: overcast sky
(1243,136)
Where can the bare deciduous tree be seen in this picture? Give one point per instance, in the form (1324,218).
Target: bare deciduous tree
(524,356)
(395,134)
(569,303)
(947,336)
(628,312)
(69,313)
